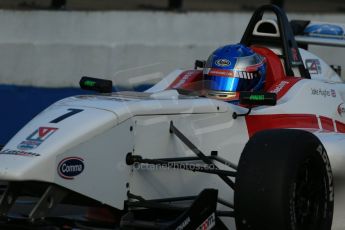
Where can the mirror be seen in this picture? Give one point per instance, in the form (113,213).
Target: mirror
(96,84)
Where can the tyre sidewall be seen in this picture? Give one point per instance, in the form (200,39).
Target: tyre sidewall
(266,181)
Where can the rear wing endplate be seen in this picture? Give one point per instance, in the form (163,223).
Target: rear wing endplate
(318,33)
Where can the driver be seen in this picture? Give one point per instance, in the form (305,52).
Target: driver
(231,69)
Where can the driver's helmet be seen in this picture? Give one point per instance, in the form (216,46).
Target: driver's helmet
(234,68)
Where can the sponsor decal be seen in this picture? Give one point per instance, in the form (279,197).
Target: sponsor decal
(295,57)
(231,73)
(325,159)
(209,223)
(184,79)
(333,93)
(36,138)
(279,87)
(313,66)
(70,167)
(220,72)
(18,153)
(183,224)
(323,92)
(341,109)
(222,62)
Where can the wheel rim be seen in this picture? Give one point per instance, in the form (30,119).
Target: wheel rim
(309,195)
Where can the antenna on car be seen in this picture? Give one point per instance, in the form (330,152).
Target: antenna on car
(236,115)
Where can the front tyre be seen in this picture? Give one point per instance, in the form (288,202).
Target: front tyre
(284,182)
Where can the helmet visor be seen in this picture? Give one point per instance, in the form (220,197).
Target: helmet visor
(237,81)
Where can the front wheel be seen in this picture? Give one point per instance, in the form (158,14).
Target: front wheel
(284,182)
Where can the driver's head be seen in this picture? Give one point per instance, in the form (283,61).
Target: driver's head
(234,68)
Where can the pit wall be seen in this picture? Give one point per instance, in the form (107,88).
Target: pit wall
(56,48)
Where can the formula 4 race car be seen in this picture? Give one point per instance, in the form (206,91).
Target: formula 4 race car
(177,157)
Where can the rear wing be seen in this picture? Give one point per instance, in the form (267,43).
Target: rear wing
(318,33)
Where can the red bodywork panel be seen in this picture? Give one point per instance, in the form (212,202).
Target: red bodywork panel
(257,123)
(274,69)
(187,80)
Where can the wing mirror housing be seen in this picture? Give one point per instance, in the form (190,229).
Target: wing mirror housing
(96,84)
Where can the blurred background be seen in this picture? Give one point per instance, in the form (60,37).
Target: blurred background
(46,46)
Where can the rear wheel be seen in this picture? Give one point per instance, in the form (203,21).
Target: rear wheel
(284,182)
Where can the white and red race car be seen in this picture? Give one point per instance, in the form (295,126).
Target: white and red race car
(180,157)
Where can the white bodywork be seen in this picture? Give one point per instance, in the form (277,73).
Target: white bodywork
(110,126)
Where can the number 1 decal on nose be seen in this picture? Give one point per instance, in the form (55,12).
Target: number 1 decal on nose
(66,115)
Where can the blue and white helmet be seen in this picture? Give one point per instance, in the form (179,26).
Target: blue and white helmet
(234,68)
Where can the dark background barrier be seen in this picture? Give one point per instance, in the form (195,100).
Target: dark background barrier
(176,5)
(19,104)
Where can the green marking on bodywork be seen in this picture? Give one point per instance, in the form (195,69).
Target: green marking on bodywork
(89,83)
(257,97)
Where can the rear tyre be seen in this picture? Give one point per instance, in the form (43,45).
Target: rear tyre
(284,182)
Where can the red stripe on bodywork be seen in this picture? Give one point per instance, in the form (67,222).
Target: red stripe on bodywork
(257,123)
(327,124)
(186,79)
(340,127)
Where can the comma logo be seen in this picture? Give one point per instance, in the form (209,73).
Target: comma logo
(70,167)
